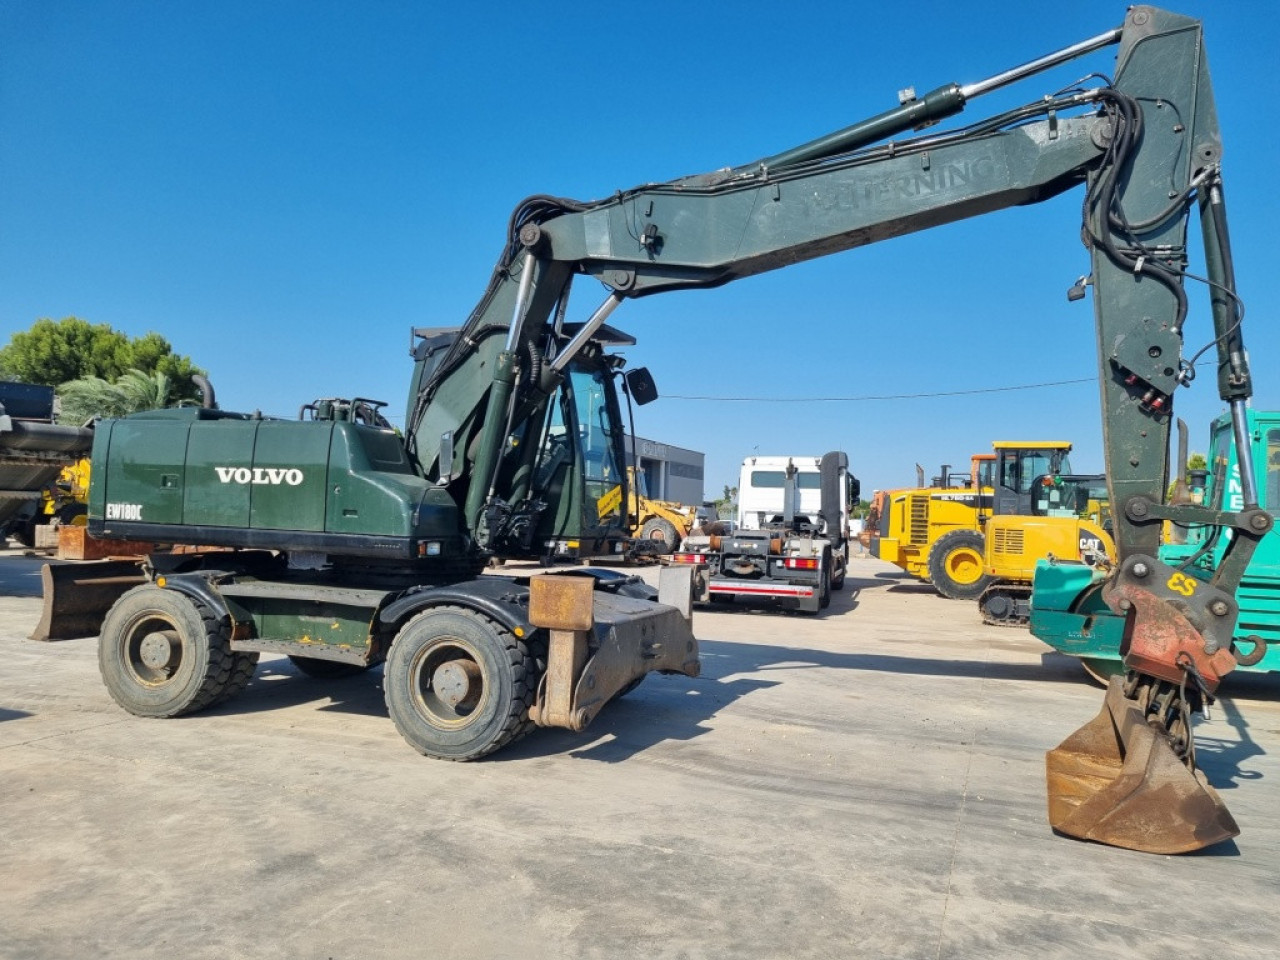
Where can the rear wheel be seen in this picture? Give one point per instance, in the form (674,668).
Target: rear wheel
(662,533)
(956,565)
(458,685)
(824,589)
(162,654)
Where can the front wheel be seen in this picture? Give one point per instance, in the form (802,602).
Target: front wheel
(458,685)
(162,654)
(662,533)
(956,565)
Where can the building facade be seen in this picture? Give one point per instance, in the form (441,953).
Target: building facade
(670,472)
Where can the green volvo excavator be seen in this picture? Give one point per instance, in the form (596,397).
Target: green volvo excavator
(345,545)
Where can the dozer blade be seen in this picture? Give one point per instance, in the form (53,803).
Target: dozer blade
(1117,781)
(78,595)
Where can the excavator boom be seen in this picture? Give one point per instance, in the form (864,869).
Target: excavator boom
(1146,148)
(487,445)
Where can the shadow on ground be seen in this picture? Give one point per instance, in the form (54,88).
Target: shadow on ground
(678,708)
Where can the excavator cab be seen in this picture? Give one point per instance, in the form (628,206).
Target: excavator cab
(579,468)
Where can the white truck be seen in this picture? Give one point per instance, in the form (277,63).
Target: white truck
(790,540)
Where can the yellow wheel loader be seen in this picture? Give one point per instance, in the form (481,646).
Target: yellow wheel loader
(658,526)
(937,533)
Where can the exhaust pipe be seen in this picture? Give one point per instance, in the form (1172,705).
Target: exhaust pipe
(207,398)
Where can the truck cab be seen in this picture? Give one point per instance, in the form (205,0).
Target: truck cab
(790,543)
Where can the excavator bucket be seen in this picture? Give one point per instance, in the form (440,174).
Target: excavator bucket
(78,595)
(1117,781)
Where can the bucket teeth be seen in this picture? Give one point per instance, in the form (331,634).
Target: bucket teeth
(1117,781)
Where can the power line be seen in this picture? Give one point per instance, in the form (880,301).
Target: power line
(887,396)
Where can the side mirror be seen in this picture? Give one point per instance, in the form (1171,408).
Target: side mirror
(641,386)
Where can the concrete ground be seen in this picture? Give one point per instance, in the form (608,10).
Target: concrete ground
(867,783)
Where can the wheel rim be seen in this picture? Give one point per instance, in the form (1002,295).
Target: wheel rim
(153,649)
(964,566)
(448,683)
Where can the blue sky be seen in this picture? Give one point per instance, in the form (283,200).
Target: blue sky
(283,189)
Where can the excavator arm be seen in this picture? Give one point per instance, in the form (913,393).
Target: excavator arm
(1145,147)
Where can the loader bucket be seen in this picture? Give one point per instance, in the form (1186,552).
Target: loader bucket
(78,595)
(1117,781)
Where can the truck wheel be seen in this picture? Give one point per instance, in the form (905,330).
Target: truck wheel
(458,685)
(162,654)
(956,566)
(661,532)
(318,669)
(824,590)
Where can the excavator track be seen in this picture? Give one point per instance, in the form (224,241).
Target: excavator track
(1006,604)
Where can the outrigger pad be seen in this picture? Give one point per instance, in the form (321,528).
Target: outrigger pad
(1117,781)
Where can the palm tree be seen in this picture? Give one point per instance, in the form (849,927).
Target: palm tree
(90,397)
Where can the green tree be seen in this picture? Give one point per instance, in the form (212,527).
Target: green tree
(90,397)
(54,352)
(726,505)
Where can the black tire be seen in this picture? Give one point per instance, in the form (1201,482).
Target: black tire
(824,589)
(662,532)
(956,565)
(491,677)
(318,669)
(162,654)
(242,669)
(838,582)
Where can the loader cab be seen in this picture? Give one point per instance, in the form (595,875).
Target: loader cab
(982,471)
(1017,466)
